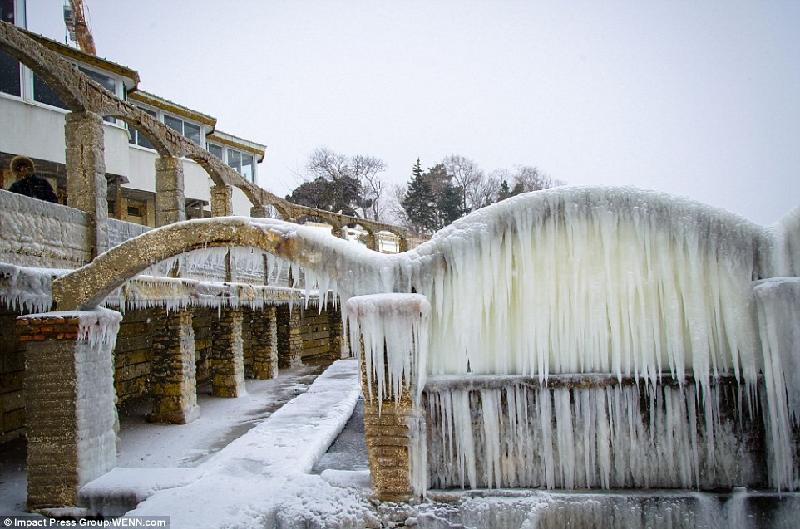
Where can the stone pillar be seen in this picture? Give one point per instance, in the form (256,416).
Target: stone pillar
(70,402)
(264,343)
(173,371)
(260,212)
(86,174)
(170,198)
(290,341)
(394,425)
(390,436)
(227,355)
(336,332)
(221,201)
(372,241)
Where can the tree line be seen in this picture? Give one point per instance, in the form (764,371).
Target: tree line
(432,198)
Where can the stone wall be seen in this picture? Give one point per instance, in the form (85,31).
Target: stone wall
(12,373)
(133,353)
(38,233)
(120,231)
(203,320)
(316,335)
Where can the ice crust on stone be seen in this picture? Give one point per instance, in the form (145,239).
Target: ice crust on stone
(27,289)
(97,327)
(142,292)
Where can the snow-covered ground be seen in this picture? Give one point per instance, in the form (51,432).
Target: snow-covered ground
(143,444)
(263,479)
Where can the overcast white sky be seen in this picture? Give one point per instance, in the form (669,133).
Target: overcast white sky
(693,98)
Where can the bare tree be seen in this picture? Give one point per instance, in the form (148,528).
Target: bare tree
(367,169)
(528,178)
(357,178)
(467,177)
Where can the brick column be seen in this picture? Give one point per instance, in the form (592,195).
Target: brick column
(259,212)
(264,343)
(372,241)
(391,435)
(86,174)
(336,332)
(70,402)
(221,201)
(227,355)
(393,424)
(173,371)
(290,341)
(170,198)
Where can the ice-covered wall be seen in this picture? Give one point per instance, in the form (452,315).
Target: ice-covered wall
(573,436)
(41,234)
(120,231)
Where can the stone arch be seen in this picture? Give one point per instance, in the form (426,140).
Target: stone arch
(59,74)
(88,286)
(146,125)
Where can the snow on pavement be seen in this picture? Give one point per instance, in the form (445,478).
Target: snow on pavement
(262,479)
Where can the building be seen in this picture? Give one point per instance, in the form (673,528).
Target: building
(33,116)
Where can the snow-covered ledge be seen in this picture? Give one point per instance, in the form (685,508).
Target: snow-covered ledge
(69,397)
(392,330)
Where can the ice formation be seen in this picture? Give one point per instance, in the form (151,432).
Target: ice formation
(630,436)
(393,329)
(27,289)
(589,280)
(142,292)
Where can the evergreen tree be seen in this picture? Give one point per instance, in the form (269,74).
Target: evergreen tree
(431,201)
(504,192)
(418,201)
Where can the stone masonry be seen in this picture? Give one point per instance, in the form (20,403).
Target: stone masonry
(389,443)
(290,339)
(221,201)
(173,371)
(69,399)
(263,343)
(86,174)
(227,355)
(170,202)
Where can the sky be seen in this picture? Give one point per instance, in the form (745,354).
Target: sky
(700,99)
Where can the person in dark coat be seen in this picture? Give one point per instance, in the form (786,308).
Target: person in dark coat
(28,183)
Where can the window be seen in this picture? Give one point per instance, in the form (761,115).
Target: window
(173,123)
(44,94)
(9,75)
(137,138)
(235,160)
(247,166)
(103,80)
(215,149)
(193,133)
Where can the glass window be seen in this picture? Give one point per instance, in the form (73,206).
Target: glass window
(105,81)
(215,149)
(9,75)
(140,139)
(7,11)
(235,159)
(193,133)
(173,123)
(247,166)
(44,94)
